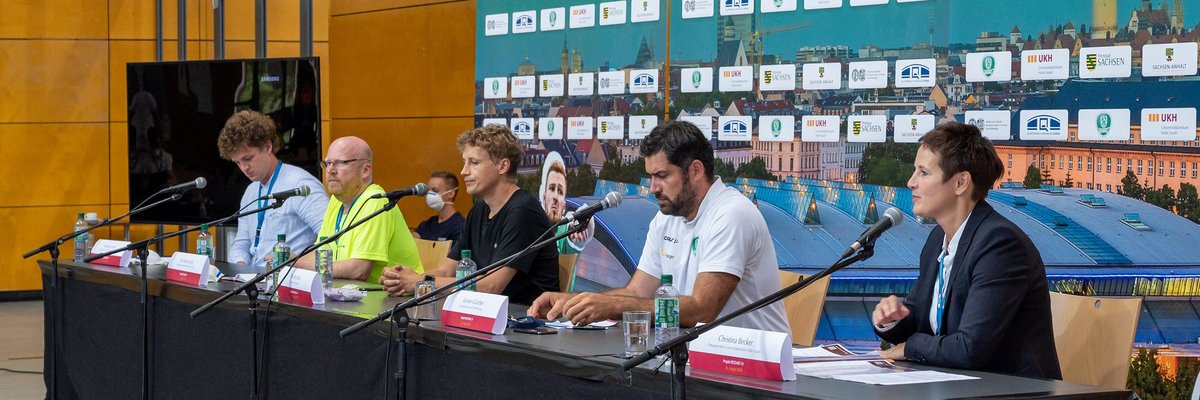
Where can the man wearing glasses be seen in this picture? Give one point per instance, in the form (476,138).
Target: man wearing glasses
(361,253)
(248,139)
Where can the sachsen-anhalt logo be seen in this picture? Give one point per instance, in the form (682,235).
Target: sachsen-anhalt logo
(821,72)
(1170,53)
(989,65)
(1103,123)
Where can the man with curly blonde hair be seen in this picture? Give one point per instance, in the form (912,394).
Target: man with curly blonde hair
(248,139)
(508,220)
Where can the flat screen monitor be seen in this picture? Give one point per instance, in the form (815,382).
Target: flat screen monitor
(177,110)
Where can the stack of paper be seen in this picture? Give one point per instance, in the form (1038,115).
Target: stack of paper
(834,361)
(830,352)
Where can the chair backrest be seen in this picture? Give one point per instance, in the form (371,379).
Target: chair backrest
(432,252)
(566,271)
(1094,337)
(803,308)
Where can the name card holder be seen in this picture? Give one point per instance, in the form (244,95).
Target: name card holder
(302,287)
(482,312)
(120,260)
(746,352)
(188,269)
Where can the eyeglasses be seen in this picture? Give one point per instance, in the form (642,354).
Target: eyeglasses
(339,163)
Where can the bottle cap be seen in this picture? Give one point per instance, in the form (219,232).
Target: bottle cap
(282,237)
(80,215)
(666,279)
(204,227)
(466,254)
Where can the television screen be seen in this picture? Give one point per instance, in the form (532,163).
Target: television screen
(177,110)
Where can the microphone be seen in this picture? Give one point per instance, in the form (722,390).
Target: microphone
(892,217)
(199,183)
(417,190)
(284,195)
(610,200)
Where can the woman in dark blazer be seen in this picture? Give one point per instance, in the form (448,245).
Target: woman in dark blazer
(981,301)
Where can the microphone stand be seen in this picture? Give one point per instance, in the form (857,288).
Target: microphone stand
(402,309)
(250,287)
(55,289)
(142,254)
(677,345)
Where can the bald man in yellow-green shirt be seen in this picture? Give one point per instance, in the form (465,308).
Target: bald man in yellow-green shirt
(363,252)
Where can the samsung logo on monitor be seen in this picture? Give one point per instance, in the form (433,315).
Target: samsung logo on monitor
(269,79)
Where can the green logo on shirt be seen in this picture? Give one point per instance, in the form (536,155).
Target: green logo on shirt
(695,240)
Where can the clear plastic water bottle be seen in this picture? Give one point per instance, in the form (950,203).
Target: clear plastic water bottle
(282,252)
(466,266)
(81,241)
(325,264)
(666,311)
(204,242)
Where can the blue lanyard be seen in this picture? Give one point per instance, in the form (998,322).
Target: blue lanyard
(337,225)
(940,296)
(263,203)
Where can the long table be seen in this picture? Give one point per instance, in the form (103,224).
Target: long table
(100,354)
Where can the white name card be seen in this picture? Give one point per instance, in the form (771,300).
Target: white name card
(116,259)
(746,352)
(188,269)
(483,312)
(302,287)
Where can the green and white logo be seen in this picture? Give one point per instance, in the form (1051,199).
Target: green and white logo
(550,127)
(495,87)
(989,65)
(696,79)
(695,243)
(778,3)
(553,18)
(1103,123)
(776,127)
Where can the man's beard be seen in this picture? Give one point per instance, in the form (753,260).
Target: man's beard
(681,204)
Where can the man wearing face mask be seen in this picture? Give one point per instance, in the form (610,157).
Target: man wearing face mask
(443,189)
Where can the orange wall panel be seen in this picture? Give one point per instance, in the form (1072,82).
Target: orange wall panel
(363,6)
(60,81)
(53,164)
(45,224)
(118,164)
(53,19)
(389,63)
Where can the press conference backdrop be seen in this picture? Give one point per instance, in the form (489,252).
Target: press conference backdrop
(177,110)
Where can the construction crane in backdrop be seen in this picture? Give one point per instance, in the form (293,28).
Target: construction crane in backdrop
(756,43)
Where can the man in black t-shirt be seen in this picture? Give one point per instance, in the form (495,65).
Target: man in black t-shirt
(508,220)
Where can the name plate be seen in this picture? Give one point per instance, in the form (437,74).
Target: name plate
(483,312)
(302,287)
(746,352)
(116,259)
(188,269)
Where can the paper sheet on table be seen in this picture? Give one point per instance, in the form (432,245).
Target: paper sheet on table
(834,369)
(830,352)
(569,325)
(905,378)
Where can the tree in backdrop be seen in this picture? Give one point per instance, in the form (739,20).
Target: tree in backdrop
(1130,186)
(581,181)
(1068,182)
(1146,377)
(1163,197)
(1188,202)
(888,163)
(1033,177)
(755,169)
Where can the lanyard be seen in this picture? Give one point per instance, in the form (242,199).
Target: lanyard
(337,226)
(940,296)
(263,203)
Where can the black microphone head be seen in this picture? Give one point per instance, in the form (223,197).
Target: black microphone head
(420,189)
(303,191)
(895,215)
(613,199)
(201,183)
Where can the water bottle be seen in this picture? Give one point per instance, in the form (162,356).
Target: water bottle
(325,264)
(465,267)
(666,311)
(282,252)
(81,241)
(204,242)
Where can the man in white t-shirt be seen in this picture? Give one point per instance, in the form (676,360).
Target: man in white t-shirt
(709,237)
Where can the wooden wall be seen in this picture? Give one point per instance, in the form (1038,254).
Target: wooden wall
(404,73)
(63,107)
